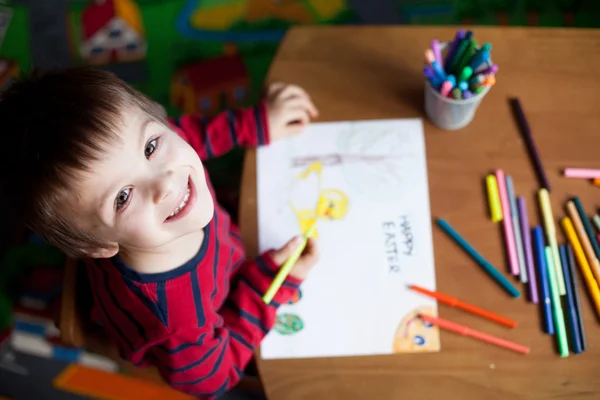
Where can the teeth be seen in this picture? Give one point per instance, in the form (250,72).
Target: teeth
(183,203)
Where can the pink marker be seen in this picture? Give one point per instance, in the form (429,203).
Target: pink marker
(582,173)
(446,88)
(511,248)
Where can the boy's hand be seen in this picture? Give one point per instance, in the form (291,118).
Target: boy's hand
(290,109)
(305,263)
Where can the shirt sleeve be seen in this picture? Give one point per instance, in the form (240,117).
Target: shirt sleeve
(211,360)
(213,137)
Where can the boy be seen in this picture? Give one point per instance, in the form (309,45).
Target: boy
(95,168)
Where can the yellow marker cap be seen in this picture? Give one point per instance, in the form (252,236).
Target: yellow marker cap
(493,198)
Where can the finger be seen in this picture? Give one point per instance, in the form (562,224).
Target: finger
(297,116)
(275,87)
(311,251)
(281,255)
(292,91)
(302,102)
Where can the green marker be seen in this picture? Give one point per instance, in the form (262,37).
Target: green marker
(286,268)
(479,89)
(465,74)
(456,93)
(559,319)
(462,47)
(466,56)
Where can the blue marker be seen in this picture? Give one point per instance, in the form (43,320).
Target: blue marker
(439,71)
(478,59)
(433,79)
(571,309)
(538,241)
(485,264)
(463,86)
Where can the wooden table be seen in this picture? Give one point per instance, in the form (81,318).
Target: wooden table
(375,72)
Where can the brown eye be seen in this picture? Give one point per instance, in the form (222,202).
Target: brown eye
(122,198)
(150,147)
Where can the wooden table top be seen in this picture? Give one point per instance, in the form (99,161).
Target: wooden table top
(375,72)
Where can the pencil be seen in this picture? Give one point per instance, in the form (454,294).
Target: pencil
(596,220)
(575,292)
(287,267)
(587,225)
(545,300)
(526,236)
(489,268)
(526,132)
(584,240)
(591,283)
(514,213)
(509,237)
(571,310)
(544,198)
(559,318)
(454,302)
(466,331)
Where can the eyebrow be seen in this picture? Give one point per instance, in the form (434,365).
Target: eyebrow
(142,141)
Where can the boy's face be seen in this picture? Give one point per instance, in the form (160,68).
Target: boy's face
(148,190)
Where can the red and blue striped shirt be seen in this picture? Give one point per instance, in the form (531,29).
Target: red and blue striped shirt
(200,323)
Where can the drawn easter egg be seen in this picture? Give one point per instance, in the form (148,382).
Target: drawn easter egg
(414,335)
(288,324)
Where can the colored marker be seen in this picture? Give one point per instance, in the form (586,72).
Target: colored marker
(466,331)
(287,267)
(454,302)
(456,94)
(457,58)
(463,86)
(575,292)
(544,198)
(489,268)
(489,70)
(546,302)
(596,182)
(591,283)
(533,152)
(584,173)
(479,90)
(596,220)
(514,214)
(480,58)
(584,239)
(511,248)
(460,35)
(559,318)
(526,236)
(467,94)
(476,80)
(439,72)
(466,55)
(571,310)
(446,88)
(493,198)
(465,74)
(432,77)
(587,225)
(437,52)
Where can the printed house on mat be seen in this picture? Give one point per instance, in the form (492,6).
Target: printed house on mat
(209,86)
(112,31)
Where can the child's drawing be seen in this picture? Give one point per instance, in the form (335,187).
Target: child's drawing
(415,335)
(310,201)
(364,184)
(288,324)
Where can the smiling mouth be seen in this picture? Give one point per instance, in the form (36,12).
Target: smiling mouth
(183,203)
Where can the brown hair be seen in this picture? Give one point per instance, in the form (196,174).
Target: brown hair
(53,124)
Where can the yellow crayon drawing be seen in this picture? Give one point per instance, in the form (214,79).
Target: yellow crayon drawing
(414,335)
(326,204)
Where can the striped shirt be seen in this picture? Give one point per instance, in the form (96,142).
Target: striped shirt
(200,323)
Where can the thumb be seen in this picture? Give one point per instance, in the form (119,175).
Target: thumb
(281,255)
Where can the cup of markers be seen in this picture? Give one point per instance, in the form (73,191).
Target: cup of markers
(458,75)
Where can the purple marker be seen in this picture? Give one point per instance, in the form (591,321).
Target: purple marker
(437,52)
(432,77)
(460,35)
(467,94)
(489,70)
(526,235)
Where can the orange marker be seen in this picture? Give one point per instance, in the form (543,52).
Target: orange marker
(484,337)
(454,302)
(596,182)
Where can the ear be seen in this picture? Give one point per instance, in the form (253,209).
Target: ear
(103,252)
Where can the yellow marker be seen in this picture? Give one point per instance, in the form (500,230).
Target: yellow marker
(286,268)
(493,198)
(584,239)
(551,235)
(582,261)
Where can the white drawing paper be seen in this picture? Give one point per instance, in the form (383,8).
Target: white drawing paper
(365,185)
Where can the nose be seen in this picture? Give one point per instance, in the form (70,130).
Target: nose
(162,186)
